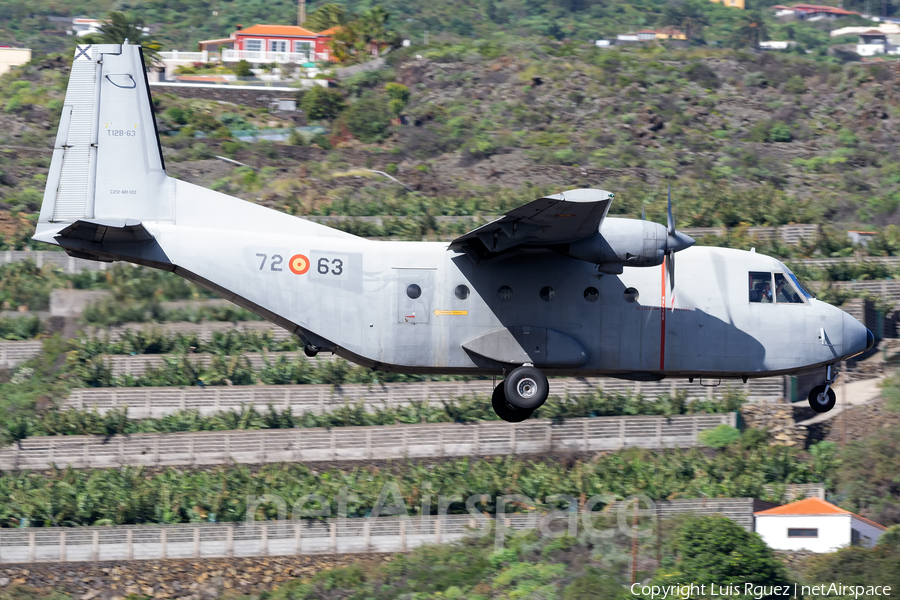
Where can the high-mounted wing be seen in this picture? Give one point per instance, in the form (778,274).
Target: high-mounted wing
(557,219)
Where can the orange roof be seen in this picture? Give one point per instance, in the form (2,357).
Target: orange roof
(812,507)
(289,30)
(331,31)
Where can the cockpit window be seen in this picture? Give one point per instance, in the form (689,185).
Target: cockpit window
(760,286)
(799,284)
(784,291)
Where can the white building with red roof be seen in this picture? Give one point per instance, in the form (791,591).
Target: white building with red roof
(812,12)
(262,44)
(815,525)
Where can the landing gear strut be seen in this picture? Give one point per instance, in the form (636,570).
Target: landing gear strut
(524,390)
(822,398)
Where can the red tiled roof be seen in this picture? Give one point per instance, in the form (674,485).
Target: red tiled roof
(812,507)
(288,30)
(331,31)
(821,8)
(647,31)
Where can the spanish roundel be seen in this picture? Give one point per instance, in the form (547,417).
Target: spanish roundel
(299,264)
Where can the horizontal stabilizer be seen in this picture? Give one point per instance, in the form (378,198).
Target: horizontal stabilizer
(102,231)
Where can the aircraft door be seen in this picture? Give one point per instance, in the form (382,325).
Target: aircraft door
(415,293)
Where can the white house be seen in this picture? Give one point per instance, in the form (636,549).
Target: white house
(815,525)
(13,57)
(776,45)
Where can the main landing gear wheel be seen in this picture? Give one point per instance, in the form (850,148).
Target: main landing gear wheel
(504,410)
(822,398)
(310,351)
(526,388)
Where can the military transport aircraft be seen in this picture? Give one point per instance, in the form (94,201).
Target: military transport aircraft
(554,287)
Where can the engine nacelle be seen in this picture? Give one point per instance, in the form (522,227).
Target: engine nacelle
(623,243)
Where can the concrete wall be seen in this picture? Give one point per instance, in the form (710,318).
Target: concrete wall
(13,57)
(869,534)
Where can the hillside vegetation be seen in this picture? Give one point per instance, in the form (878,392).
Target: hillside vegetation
(745,138)
(179,24)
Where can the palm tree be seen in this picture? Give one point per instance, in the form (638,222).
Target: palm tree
(750,31)
(325,17)
(688,16)
(120,26)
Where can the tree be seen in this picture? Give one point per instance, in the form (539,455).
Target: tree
(325,17)
(688,16)
(368,119)
(750,30)
(322,103)
(120,26)
(716,550)
(366,33)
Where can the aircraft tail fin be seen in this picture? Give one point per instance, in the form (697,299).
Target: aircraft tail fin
(107,160)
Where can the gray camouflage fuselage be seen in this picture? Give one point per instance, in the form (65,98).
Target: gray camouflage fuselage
(350,295)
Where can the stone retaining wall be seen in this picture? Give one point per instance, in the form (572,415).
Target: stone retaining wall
(182,579)
(779,419)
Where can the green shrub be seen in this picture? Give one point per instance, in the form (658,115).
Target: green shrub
(242,69)
(391,169)
(795,85)
(397,91)
(720,436)
(755,79)
(779,132)
(368,119)
(321,103)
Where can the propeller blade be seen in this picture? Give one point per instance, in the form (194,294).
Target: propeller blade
(671,222)
(670,273)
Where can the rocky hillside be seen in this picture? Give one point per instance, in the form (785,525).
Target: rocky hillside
(754,138)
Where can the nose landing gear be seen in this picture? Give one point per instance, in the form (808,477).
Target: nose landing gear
(524,390)
(822,398)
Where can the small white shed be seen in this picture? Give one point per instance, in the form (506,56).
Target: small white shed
(815,525)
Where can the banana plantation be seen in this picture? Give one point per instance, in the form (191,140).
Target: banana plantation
(69,497)
(462,410)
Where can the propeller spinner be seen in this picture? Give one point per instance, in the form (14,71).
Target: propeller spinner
(675,242)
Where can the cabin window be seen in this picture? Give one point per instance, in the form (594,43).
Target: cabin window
(803,533)
(462,292)
(547,293)
(785,292)
(760,287)
(591,294)
(631,295)
(413,291)
(505,292)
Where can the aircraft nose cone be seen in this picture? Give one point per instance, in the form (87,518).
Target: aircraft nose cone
(857,339)
(679,241)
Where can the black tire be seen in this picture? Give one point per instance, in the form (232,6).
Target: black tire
(821,402)
(526,388)
(310,352)
(505,411)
